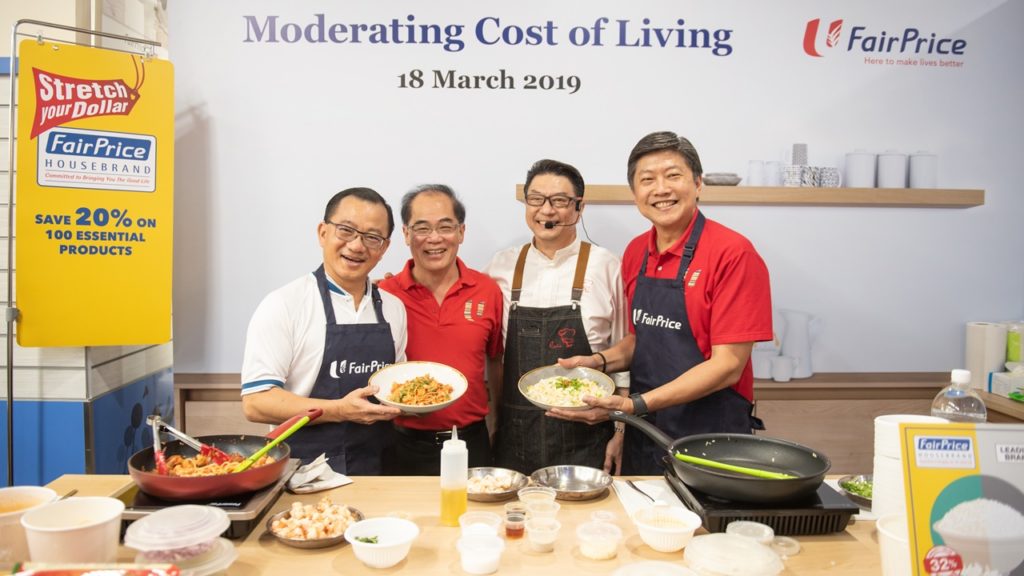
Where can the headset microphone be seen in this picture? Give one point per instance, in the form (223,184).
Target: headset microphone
(549,225)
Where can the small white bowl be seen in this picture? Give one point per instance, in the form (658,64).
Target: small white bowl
(480,553)
(598,540)
(394,538)
(74,530)
(666,528)
(14,502)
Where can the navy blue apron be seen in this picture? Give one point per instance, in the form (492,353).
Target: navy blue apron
(663,353)
(353,449)
(527,440)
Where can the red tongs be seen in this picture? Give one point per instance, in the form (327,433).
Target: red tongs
(217,455)
(158,453)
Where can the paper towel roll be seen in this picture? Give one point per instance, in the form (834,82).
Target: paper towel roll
(985,351)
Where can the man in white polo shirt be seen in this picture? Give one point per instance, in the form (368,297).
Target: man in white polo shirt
(563,297)
(314,342)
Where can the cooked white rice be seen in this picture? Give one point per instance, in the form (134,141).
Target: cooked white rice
(564,392)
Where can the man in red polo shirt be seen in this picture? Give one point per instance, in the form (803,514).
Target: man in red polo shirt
(454,317)
(699,297)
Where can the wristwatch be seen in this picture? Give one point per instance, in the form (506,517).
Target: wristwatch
(639,406)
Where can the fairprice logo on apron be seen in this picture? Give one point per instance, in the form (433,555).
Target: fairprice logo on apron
(343,367)
(659,321)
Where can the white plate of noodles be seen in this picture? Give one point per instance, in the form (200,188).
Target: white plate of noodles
(552,386)
(418,387)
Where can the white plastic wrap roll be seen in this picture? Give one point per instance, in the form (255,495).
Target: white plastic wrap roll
(985,351)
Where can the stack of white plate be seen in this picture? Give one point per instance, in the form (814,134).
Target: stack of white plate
(887,495)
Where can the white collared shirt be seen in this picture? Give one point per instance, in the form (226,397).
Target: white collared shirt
(284,345)
(547,282)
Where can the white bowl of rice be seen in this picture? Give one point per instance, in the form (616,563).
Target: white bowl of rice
(986,533)
(556,387)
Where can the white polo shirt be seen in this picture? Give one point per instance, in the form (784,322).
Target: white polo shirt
(547,282)
(284,345)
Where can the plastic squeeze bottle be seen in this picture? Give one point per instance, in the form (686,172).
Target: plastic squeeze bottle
(958,402)
(454,472)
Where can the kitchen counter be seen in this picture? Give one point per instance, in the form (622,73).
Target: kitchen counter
(854,551)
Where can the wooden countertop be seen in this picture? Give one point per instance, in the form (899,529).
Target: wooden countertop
(853,552)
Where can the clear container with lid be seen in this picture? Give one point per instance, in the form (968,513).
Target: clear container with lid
(598,540)
(179,534)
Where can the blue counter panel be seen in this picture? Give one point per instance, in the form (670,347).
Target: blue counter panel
(59,426)
(119,420)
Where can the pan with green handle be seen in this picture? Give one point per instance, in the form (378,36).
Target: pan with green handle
(740,467)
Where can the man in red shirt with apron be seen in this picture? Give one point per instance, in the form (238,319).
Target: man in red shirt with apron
(699,297)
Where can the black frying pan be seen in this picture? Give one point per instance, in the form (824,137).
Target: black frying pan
(807,465)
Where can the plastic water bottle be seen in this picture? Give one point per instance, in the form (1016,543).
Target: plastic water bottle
(454,477)
(958,402)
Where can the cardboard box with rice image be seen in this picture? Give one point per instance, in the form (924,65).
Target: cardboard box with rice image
(965,505)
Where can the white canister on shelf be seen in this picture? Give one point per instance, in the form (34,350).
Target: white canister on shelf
(924,169)
(860,169)
(892,169)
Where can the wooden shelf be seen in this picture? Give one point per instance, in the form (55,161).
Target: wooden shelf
(764,196)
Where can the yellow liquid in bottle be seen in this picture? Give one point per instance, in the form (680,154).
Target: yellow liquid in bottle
(453,505)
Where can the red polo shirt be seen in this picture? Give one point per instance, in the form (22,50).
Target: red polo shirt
(462,332)
(728,294)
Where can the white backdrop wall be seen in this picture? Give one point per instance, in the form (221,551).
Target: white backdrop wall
(268,131)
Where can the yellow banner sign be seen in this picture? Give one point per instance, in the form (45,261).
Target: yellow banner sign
(95,196)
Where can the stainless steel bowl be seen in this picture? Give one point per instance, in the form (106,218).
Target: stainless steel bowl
(573,482)
(314,543)
(857,499)
(516,479)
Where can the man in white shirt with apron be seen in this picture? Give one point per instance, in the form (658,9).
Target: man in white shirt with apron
(315,342)
(562,297)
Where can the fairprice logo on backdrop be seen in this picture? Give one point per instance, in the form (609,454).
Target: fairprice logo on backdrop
(907,47)
(61,99)
(944,452)
(96,159)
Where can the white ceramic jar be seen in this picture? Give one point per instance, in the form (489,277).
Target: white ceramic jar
(892,170)
(860,169)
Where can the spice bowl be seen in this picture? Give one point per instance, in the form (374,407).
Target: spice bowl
(598,540)
(542,533)
(666,528)
(479,522)
(382,542)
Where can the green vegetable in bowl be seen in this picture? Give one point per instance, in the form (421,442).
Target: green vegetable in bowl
(859,487)
(367,539)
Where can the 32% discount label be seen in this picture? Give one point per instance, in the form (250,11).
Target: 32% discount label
(95,231)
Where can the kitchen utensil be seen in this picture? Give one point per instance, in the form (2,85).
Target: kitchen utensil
(806,465)
(69,494)
(733,468)
(158,453)
(76,530)
(399,372)
(554,370)
(515,481)
(573,482)
(858,499)
(216,455)
(782,368)
(924,169)
(178,488)
(892,170)
(666,528)
(637,488)
(860,169)
(311,414)
(394,539)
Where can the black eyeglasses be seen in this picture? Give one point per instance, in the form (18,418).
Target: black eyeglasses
(347,234)
(558,201)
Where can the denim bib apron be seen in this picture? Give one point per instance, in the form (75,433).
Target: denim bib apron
(351,353)
(527,440)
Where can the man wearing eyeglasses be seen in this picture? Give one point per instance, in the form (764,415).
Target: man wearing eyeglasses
(454,318)
(314,342)
(562,297)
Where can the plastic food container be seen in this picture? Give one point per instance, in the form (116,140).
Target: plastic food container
(731,554)
(542,533)
(666,528)
(480,523)
(536,493)
(598,540)
(187,536)
(394,539)
(761,533)
(479,553)
(543,509)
